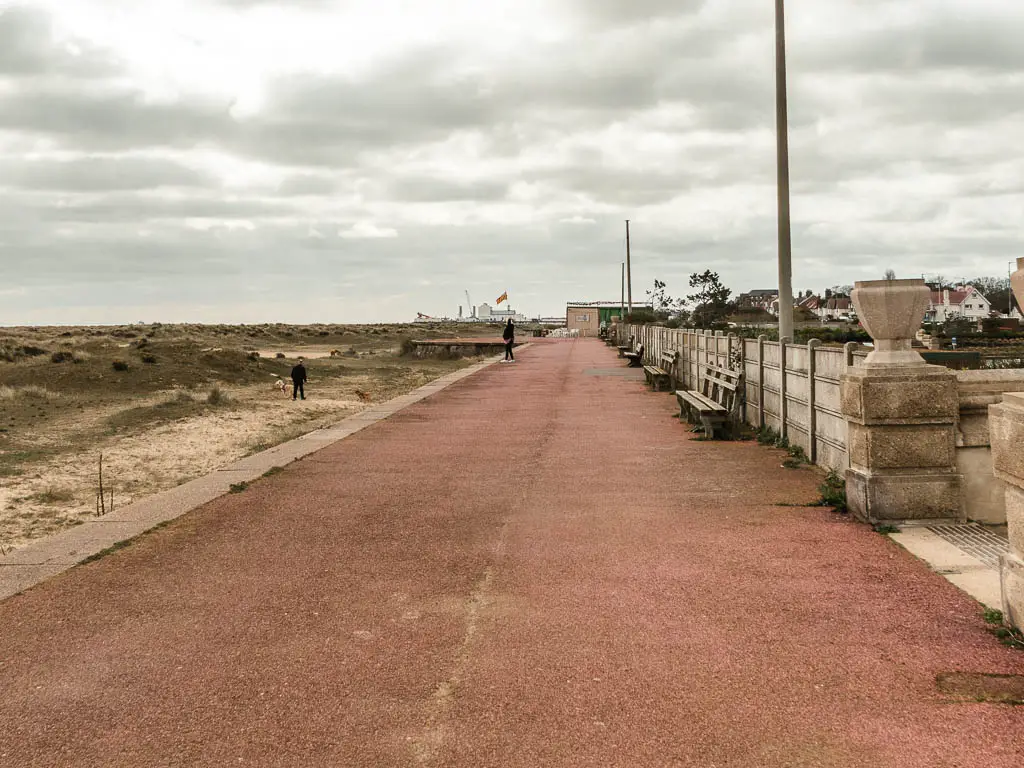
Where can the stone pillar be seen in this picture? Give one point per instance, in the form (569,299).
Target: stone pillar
(1006,429)
(1006,426)
(901,414)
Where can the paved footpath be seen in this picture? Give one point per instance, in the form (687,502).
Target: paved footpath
(534,567)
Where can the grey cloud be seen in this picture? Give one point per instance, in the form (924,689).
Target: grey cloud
(617,12)
(246,4)
(137,208)
(418,98)
(944,39)
(304,184)
(428,189)
(106,118)
(27,48)
(620,186)
(865,115)
(101,173)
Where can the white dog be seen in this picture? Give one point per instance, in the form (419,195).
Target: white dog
(283,386)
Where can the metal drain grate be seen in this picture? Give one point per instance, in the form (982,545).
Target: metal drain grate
(976,540)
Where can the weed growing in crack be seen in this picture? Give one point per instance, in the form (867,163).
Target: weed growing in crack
(109,550)
(992,616)
(1012,638)
(833,492)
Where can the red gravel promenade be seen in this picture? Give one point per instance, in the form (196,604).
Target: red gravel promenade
(536,567)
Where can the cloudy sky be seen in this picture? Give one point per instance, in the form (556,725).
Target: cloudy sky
(362,160)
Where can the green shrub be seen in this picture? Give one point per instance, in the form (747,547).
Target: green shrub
(768,436)
(119,365)
(833,492)
(407,347)
(642,316)
(12,353)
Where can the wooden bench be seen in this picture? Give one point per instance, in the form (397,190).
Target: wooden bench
(635,358)
(716,403)
(627,347)
(663,372)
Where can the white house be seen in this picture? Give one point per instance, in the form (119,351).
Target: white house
(964,301)
(836,308)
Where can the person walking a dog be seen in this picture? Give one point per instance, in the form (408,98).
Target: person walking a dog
(299,378)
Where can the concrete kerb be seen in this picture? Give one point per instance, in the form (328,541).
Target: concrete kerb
(55,554)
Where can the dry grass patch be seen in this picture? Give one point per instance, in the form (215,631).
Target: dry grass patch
(205,403)
(27,392)
(53,496)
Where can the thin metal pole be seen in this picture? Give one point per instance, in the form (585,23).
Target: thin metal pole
(629,273)
(782,138)
(622,306)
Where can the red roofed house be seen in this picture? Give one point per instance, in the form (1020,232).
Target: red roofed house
(964,301)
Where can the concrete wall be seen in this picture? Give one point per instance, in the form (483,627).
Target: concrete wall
(797,395)
(984,495)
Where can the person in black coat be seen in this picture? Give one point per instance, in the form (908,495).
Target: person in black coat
(510,338)
(299,380)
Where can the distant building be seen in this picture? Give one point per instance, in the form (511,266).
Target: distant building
(485,314)
(587,317)
(836,308)
(964,301)
(759,299)
(811,303)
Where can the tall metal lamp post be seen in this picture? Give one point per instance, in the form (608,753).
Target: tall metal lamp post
(782,138)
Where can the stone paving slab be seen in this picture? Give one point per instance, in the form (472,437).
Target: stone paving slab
(974,576)
(47,557)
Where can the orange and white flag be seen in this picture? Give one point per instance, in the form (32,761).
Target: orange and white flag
(503,297)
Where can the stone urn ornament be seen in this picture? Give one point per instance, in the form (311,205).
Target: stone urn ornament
(892,311)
